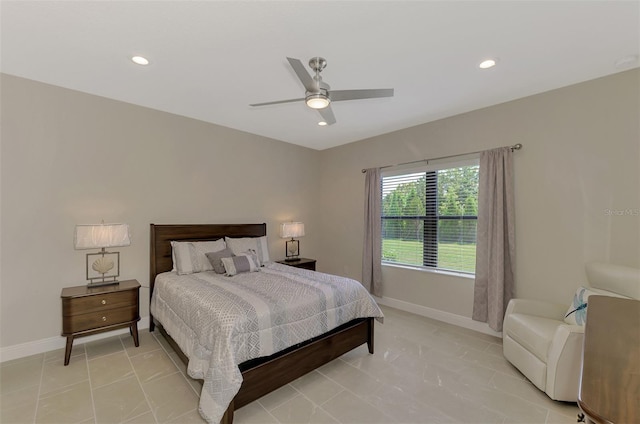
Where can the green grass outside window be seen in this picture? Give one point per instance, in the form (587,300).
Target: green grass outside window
(451,256)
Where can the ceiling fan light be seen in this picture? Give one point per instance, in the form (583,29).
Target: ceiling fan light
(317,101)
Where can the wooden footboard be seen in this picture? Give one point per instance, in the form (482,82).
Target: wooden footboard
(264,375)
(281,369)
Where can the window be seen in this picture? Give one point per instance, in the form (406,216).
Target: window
(430,215)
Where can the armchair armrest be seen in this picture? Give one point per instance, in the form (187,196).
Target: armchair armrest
(537,308)
(564,362)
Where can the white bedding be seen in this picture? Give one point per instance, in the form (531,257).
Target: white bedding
(220,322)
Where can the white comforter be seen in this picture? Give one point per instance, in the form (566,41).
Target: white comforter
(220,322)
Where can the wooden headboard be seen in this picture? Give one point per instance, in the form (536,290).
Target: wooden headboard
(162,235)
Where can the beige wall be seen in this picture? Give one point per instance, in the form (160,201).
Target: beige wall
(70,158)
(581,157)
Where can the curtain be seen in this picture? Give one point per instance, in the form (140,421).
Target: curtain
(495,248)
(372,252)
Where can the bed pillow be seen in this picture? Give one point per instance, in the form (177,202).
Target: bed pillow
(577,312)
(259,244)
(216,259)
(190,257)
(243,262)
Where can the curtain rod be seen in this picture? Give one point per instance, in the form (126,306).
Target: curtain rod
(514,147)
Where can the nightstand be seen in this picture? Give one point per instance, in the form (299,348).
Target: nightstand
(89,310)
(305,263)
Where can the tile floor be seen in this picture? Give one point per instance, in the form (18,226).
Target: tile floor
(423,371)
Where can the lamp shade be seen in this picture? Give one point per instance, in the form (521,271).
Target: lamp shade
(291,229)
(101,235)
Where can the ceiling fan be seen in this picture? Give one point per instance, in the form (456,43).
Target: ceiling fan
(319,95)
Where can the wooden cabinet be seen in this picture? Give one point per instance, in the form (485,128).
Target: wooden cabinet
(610,380)
(89,310)
(305,263)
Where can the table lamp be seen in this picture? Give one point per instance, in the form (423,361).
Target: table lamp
(105,266)
(292,247)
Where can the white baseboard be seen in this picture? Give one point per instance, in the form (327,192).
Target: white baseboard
(448,317)
(52,343)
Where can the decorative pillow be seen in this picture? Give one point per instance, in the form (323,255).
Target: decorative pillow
(241,263)
(190,257)
(259,244)
(254,256)
(577,312)
(216,259)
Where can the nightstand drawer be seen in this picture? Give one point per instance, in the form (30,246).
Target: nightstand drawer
(308,265)
(98,319)
(98,302)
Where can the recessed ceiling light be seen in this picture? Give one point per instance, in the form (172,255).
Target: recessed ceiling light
(486,64)
(140,60)
(322,123)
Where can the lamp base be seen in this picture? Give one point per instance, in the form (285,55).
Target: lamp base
(292,250)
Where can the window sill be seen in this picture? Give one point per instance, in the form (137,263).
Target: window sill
(432,271)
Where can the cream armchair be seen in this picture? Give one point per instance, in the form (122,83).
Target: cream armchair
(546,349)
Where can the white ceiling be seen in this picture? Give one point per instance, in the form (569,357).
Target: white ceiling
(211,59)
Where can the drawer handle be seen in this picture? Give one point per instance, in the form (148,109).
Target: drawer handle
(104,318)
(104,302)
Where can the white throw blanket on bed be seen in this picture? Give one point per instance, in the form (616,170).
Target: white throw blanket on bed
(220,322)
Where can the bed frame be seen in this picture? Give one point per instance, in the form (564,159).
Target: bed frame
(262,375)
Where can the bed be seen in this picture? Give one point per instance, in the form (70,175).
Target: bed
(262,374)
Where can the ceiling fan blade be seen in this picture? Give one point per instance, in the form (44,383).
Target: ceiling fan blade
(327,115)
(303,75)
(339,95)
(277,102)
